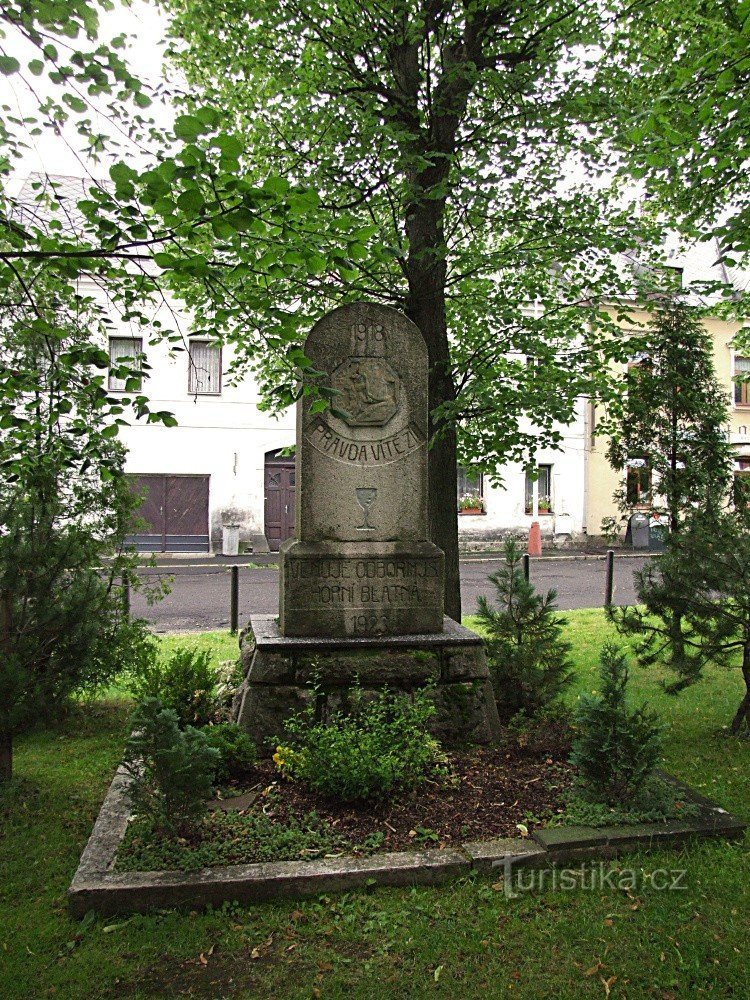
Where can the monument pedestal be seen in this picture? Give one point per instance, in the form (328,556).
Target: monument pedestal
(361,585)
(356,589)
(284,674)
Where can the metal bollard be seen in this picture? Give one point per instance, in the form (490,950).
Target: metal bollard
(126,594)
(526,565)
(610,578)
(234,606)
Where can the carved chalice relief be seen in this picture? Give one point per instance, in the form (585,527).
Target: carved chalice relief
(365,498)
(370,391)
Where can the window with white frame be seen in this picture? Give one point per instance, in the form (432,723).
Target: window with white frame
(542,486)
(741,381)
(125,351)
(204,368)
(470,481)
(470,489)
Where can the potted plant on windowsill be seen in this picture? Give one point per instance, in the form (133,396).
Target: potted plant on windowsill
(545,505)
(470,503)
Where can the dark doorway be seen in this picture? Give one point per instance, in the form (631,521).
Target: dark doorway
(175,512)
(279,499)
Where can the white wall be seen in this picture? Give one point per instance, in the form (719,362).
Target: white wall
(223,436)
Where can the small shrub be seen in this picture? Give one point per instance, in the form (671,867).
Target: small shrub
(610,529)
(380,745)
(615,748)
(185,683)
(229,677)
(237,752)
(656,802)
(527,656)
(172,769)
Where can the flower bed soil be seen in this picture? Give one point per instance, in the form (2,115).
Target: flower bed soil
(488,793)
(276,840)
(492,791)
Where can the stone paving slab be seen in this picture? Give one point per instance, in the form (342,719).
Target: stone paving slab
(488,854)
(96,886)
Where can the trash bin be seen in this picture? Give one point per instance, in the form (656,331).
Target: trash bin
(657,535)
(639,531)
(230,541)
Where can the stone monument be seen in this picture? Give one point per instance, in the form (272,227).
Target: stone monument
(361,587)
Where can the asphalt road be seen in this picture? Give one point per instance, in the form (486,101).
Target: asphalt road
(199,597)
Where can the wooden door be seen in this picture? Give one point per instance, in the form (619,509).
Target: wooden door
(173,513)
(279,500)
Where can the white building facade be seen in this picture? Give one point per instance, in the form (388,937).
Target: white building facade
(224,463)
(221,464)
(555,498)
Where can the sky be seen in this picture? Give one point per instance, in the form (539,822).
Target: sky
(57,154)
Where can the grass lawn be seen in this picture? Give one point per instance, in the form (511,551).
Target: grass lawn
(461,940)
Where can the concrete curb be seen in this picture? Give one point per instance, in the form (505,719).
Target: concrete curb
(96,886)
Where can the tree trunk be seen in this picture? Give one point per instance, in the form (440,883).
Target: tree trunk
(742,717)
(429,153)
(6,757)
(426,271)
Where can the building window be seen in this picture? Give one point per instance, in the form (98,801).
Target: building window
(125,351)
(470,489)
(742,482)
(204,368)
(742,387)
(542,485)
(638,483)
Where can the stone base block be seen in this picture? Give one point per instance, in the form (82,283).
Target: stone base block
(355,589)
(284,674)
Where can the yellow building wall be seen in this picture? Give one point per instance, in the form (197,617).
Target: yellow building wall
(602,480)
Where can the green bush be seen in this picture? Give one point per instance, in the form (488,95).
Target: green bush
(615,748)
(527,656)
(379,745)
(185,683)
(237,753)
(172,769)
(656,802)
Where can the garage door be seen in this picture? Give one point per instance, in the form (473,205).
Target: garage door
(173,513)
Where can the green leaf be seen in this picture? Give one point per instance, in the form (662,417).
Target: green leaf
(164,260)
(208,116)
(9,65)
(316,263)
(36,66)
(121,173)
(276,185)
(230,145)
(191,201)
(75,103)
(188,127)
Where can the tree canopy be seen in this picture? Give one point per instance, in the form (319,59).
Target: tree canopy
(450,129)
(445,157)
(673,415)
(684,77)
